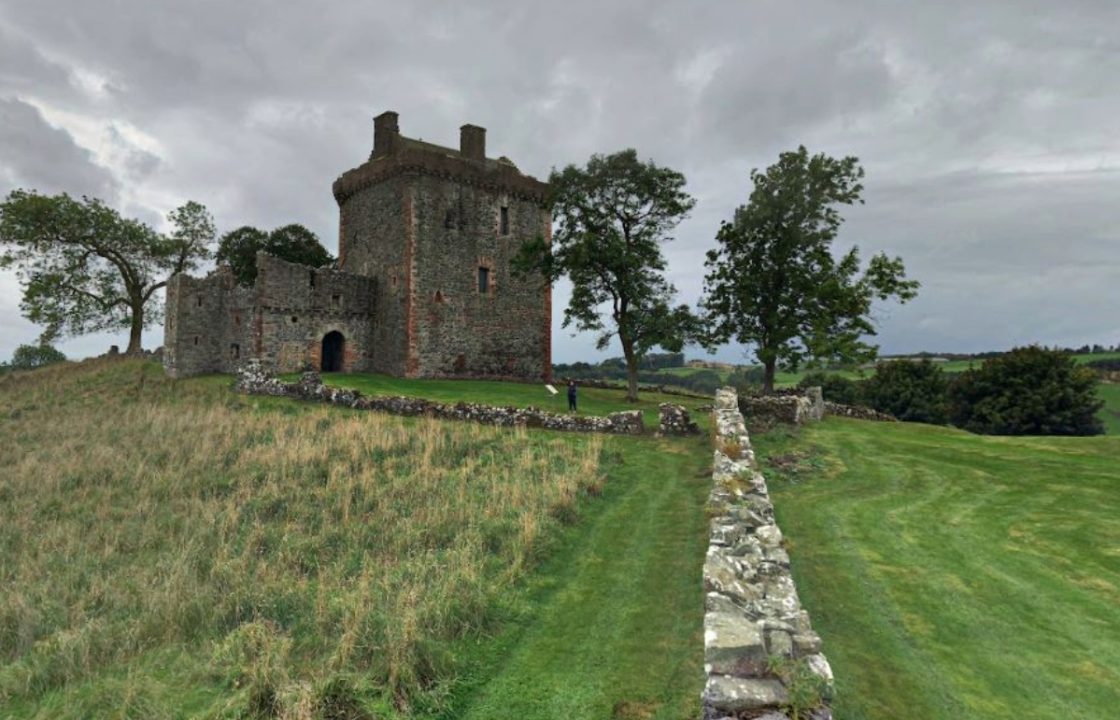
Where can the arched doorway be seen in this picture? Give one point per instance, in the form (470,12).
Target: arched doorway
(331,357)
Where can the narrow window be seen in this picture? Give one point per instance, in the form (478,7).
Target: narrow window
(294,319)
(196,340)
(311,278)
(235,351)
(336,302)
(199,299)
(484,280)
(505,221)
(449,220)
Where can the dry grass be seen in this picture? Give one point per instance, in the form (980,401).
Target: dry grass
(301,551)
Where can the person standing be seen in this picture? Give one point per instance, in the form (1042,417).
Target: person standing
(571,396)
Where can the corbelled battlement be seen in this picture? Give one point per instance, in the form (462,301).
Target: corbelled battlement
(394,154)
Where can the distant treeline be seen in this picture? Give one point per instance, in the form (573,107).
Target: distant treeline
(1083,350)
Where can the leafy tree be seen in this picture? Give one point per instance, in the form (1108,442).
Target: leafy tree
(85,268)
(612,217)
(294,243)
(29,357)
(1028,391)
(773,282)
(911,391)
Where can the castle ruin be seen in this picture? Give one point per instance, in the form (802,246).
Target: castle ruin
(422,288)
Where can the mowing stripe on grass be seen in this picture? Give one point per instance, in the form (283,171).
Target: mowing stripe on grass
(958,576)
(619,635)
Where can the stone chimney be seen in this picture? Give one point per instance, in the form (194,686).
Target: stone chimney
(472,142)
(385,134)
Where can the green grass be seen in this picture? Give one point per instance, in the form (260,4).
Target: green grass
(592,401)
(954,575)
(619,633)
(171,549)
(1110,413)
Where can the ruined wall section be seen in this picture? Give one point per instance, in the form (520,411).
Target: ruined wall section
(375,241)
(463,330)
(297,306)
(213,324)
(208,324)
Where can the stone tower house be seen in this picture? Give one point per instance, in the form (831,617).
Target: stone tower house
(423,285)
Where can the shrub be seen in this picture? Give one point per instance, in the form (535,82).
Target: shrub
(911,391)
(836,388)
(29,357)
(1028,391)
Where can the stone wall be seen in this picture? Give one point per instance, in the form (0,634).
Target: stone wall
(254,379)
(791,409)
(758,641)
(859,412)
(423,219)
(213,324)
(463,331)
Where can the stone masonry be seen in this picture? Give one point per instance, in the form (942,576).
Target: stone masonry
(423,285)
(254,379)
(758,640)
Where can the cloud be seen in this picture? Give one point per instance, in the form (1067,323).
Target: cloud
(37,155)
(987,131)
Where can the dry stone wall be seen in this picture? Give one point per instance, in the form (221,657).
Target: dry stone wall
(254,379)
(791,409)
(758,641)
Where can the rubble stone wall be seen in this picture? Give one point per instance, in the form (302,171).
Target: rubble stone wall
(253,379)
(791,409)
(755,631)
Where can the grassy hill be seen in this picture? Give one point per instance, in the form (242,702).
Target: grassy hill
(170,549)
(954,575)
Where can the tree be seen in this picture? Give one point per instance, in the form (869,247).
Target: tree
(773,283)
(1028,391)
(85,268)
(294,243)
(612,217)
(911,391)
(29,357)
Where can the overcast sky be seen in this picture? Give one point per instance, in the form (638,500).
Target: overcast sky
(990,132)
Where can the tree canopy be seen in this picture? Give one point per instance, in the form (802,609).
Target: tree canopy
(773,283)
(84,268)
(29,357)
(294,243)
(612,217)
(1028,391)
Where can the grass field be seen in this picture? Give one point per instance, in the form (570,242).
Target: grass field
(953,575)
(170,549)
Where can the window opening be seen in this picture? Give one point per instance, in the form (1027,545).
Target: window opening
(484,280)
(336,302)
(235,351)
(505,221)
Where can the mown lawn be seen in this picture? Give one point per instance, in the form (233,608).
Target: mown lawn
(953,575)
(170,549)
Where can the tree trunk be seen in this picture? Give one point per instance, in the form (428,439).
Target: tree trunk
(631,371)
(135,330)
(768,376)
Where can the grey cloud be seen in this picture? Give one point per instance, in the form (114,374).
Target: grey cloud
(36,155)
(979,125)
